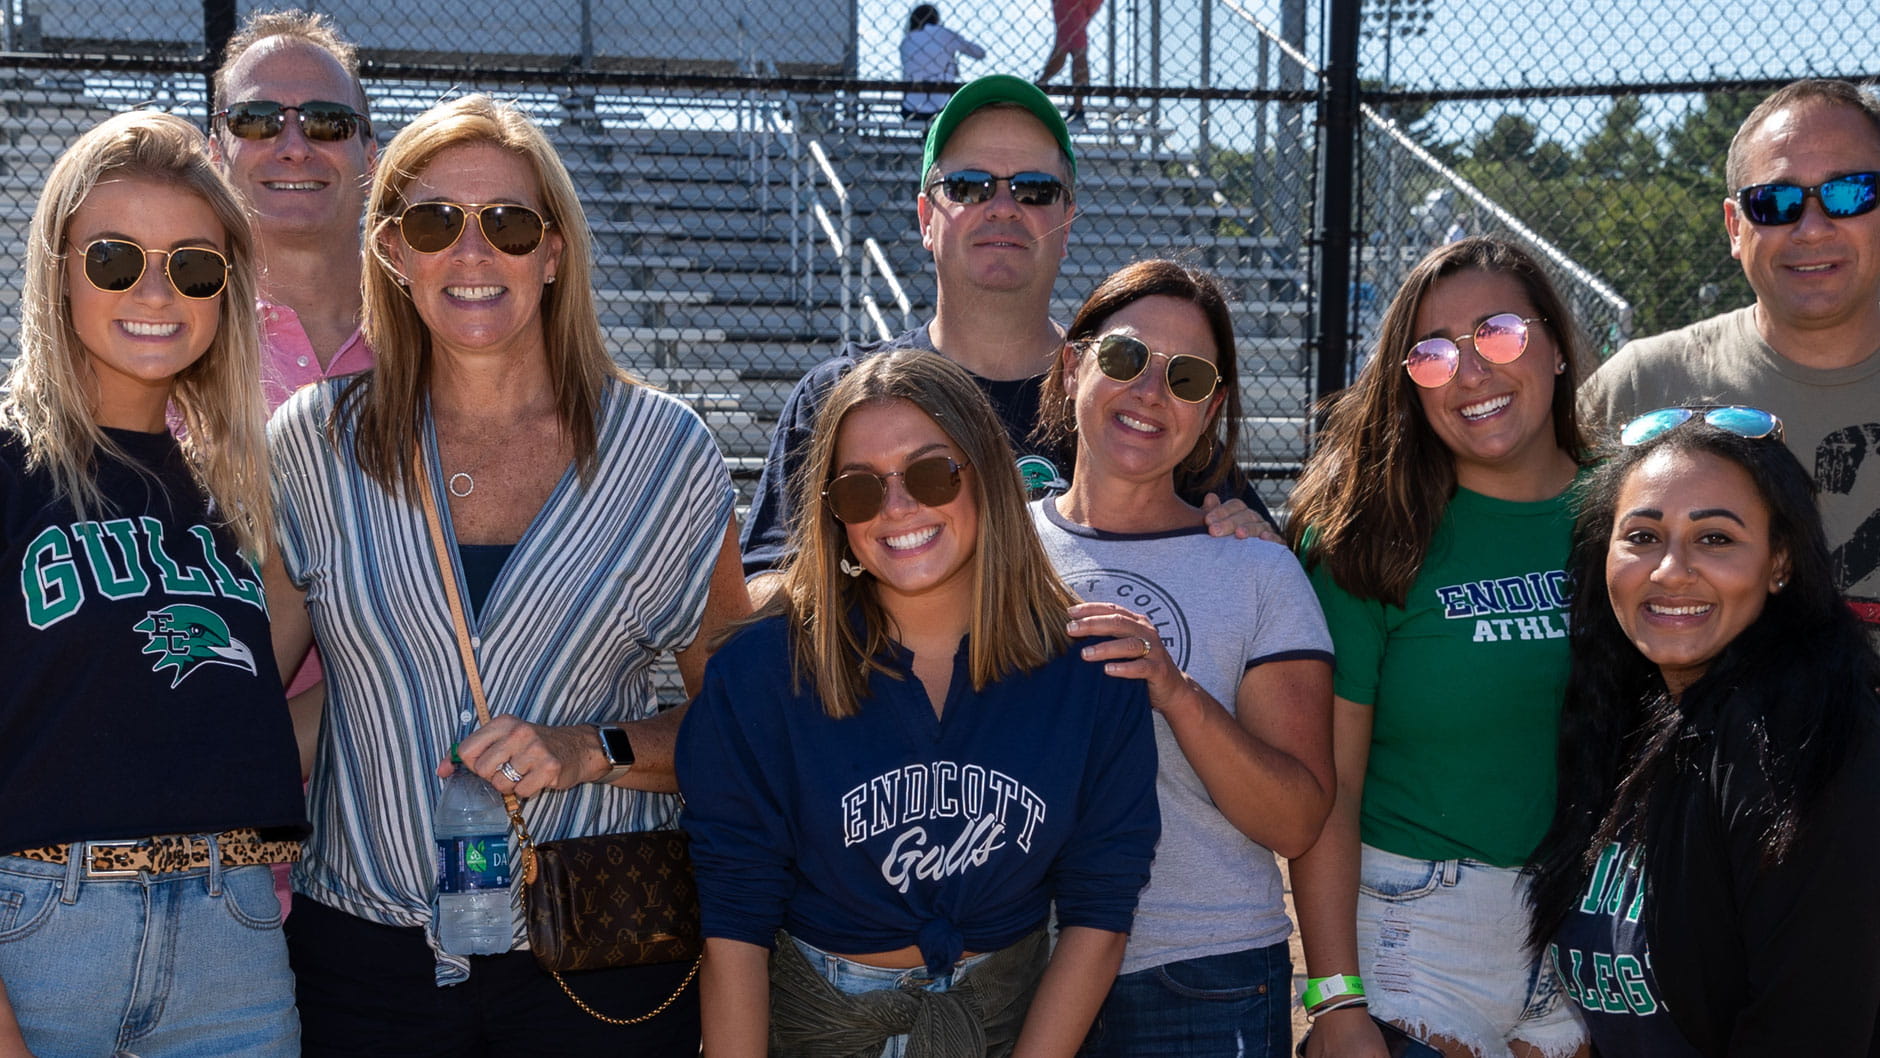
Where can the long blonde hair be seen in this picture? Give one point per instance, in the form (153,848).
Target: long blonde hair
(218,397)
(1019,604)
(390,401)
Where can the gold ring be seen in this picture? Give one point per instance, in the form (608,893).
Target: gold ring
(1147,647)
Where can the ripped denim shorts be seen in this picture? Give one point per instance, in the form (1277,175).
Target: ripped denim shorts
(1442,947)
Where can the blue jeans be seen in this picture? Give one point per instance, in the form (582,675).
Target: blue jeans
(183,965)
(1227,1005)
(853,978)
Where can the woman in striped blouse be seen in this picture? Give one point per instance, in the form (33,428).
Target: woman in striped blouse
(593,530)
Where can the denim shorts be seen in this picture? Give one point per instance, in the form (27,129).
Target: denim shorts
(187,964)
(1442,947)
(853,978)
(1216,1006)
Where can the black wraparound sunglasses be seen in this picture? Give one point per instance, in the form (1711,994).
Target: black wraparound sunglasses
(970,187)
(320,120)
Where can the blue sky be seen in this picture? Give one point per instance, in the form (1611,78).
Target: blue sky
(1468,44)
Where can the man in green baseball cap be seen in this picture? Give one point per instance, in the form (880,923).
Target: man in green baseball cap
(995,203)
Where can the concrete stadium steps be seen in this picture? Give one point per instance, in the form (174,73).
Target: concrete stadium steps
(698,263)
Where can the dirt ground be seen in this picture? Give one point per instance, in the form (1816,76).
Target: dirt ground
(1298,960)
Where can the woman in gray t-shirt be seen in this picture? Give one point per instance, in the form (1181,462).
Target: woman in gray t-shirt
(1228,636)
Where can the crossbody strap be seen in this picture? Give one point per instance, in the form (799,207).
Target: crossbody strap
(447,573)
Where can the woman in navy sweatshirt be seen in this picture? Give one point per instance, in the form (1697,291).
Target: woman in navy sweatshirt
(897,767)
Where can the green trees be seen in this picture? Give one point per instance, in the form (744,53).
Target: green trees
(1642,210)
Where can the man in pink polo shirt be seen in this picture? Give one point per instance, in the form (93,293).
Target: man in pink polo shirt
(291,133)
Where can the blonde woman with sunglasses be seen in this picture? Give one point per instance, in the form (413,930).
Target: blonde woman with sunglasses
(588,523)
(898,769)
(149,772)
(1227,639)
(1435,520)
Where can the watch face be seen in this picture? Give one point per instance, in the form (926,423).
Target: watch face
(617,746)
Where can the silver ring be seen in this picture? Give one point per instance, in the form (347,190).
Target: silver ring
(509,772)
(1147,649)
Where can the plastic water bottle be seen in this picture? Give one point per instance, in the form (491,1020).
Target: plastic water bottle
(472,831)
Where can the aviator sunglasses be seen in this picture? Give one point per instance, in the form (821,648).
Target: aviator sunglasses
(320,121)
(1122,358)
(970,187)
(1500,339)
(115,265)
(1779,204)
(1751,423)
(433,227)
(858,495)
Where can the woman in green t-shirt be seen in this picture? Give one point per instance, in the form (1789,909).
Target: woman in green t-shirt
(1435,523)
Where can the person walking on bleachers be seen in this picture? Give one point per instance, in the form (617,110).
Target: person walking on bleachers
(1072,20)
(996,204)
(930,52)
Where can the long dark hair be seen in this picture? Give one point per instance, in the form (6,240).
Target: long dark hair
(1381,479)
(1213,459)
(1802,676)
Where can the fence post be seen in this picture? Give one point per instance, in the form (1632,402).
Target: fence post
(218,25)
(1338,124)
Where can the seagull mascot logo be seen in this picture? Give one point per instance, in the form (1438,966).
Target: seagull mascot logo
(186,637)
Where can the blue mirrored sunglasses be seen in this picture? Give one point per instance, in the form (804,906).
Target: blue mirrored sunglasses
(1752,423)
(1840,198)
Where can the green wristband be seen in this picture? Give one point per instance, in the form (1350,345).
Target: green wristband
(1323,989)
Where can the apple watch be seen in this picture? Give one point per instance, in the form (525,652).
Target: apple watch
(617,748)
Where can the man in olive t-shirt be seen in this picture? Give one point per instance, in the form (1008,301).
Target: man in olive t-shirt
(1808,349)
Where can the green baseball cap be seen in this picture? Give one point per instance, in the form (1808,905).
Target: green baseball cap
(995,88)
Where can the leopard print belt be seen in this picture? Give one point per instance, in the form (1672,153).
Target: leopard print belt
(168,853)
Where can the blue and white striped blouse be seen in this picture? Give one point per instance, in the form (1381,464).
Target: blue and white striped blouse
(607,577)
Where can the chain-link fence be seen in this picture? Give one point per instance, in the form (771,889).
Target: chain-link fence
(1595,133)
(750,177)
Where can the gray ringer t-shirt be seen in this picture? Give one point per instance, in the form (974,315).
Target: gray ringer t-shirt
(1223,605)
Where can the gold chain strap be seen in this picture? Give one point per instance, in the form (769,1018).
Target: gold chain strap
(648,1016)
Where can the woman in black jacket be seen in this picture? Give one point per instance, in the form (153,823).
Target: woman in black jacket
(1705,888)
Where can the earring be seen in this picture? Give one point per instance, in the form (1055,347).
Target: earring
(1560,367)
(853,569)
(1781,583)
(547,281)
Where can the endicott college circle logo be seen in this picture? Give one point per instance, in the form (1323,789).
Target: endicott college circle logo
(186,637)
(1142,595)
